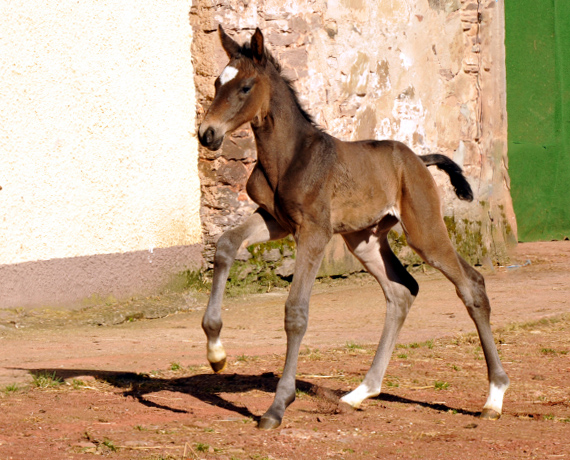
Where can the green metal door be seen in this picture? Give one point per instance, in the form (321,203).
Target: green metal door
(538,106)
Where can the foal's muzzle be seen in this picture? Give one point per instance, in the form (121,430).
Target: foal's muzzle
(209,138)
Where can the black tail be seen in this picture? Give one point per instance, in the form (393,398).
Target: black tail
(460,184)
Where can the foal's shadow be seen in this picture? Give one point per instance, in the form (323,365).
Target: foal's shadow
(208,387)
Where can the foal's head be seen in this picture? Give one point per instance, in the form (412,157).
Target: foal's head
(242,91)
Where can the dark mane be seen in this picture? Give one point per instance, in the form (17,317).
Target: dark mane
(245,50)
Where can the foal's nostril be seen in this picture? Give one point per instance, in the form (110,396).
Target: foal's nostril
(207,137)
(210,139)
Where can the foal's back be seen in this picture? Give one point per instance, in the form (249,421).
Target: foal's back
(376,178)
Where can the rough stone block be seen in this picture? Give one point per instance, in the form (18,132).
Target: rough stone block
(338,260)
(239,148)
(207,173)
(286,269)
(281,38)
(295,58)
(233,173)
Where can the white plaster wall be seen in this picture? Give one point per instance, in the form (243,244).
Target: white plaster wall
(98,152)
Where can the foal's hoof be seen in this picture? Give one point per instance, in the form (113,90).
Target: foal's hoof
(219,366)
(344,408)
(268,423)
(490,414)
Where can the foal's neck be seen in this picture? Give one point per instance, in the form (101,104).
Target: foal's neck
(282,131)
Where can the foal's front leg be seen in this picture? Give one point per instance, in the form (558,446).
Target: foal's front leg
(310,251)
(258,228)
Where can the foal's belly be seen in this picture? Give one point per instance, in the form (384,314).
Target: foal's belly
(360,216)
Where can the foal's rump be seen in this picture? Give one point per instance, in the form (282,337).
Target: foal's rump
(443,163)
(375,178)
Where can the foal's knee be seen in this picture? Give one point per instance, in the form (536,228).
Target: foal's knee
(226,250)
(296,320)
(476,300)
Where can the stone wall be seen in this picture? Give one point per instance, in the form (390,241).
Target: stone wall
(429,73)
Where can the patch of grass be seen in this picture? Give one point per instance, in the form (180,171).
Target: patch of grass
(548,417)
(403,356)
(202,447)
(311,355)
(477,352)
(548,351)
(110,445)
(257,274)
(77,384)
(553,352)
(353,346)
(535,324)
(455,368)
(391,384)
(427,344)
(46,380)
(12,388)
(440,385)
(470,337)
(134,317)
(175,366)
(191,280)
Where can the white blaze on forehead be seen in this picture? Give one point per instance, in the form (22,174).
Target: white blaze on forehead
(228,74)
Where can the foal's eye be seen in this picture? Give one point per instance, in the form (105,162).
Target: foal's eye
(246,89)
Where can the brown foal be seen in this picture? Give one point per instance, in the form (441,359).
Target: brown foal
(312,185)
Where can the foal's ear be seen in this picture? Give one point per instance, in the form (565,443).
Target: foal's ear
(257,49)
(228,43)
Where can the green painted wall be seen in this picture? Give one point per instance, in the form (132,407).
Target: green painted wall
(538,105)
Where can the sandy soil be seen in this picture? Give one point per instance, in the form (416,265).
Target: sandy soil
(140,390)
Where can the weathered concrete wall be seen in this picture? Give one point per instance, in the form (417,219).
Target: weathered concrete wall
(98,154)
(429,73)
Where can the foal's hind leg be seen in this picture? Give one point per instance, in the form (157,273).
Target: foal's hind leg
(434,246)
(258,228)
(400,289)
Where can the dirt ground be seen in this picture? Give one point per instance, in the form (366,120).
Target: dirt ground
(133,388)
